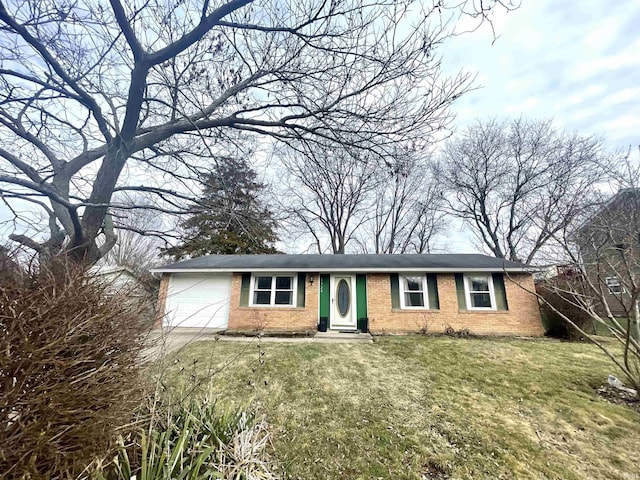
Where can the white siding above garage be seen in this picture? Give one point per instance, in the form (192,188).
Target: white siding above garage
(198,300)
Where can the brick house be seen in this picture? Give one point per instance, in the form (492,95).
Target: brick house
(376,293)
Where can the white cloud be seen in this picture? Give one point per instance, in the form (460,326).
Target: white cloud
(623,129)
(600,37)
(627,95)
(583,95)
(574,60)
(584,113)
(591,67)
(523,106)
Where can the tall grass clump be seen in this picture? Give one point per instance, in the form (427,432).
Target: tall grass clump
(191,440)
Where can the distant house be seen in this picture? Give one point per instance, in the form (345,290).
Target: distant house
(377,293)
(123,281)
(118,279)
(609,244)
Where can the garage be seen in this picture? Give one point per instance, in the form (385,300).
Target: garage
(200,301)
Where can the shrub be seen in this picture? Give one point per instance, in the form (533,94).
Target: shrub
(452,332)
(554,324)
(69,367)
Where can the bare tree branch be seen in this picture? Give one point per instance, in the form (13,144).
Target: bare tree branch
(94,98)
(519,183)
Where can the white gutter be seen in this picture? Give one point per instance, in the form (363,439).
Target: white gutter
(339,270)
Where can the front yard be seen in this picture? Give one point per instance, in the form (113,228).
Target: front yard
(425,407)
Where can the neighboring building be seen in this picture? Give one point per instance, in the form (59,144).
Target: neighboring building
(379,293)
(118,279)
(609,243)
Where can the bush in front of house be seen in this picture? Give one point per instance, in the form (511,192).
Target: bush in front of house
(70,363)
(78,400)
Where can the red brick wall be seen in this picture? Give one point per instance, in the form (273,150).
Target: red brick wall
(522,318)
(289,319)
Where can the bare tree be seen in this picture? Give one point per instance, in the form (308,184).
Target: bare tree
(140,235)
(97,98)
(429,222)
(601,280)
(329,192)
(520,183)
(407,212)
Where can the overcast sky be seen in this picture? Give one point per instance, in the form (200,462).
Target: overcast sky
(577,61)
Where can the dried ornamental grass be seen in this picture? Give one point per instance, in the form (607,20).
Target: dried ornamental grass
(192,440)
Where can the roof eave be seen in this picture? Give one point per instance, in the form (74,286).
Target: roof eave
(347,270)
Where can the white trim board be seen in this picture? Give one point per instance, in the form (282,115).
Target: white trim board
(294,292)
(345,270)
(402,291)
(467,293)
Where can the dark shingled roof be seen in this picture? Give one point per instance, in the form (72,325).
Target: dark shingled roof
(347,262)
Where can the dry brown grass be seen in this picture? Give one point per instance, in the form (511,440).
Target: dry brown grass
(429,407)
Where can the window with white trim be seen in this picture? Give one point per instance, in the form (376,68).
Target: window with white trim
(413,291)
(273,290)
(613,284)
(479,292)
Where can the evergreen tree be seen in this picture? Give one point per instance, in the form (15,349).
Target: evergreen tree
(230,217)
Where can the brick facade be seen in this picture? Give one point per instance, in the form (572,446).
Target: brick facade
(289,319)
(522,318)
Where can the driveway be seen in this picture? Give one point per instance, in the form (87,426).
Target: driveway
(169,340)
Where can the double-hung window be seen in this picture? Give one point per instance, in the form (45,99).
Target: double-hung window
(273,290)
(479,292)
(413,291)
(613,284)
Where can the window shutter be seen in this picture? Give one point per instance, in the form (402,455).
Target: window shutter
(361,299)
(462,300)
(244,290)
(500,291)
(325,298)
(395,290)
(432,290)
(302,278)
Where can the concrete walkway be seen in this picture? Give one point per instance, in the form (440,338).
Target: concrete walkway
(169,340)
(319,337)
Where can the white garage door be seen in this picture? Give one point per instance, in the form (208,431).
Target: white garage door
(198,301)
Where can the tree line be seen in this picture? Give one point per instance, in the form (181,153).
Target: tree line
(100,100)
(108,111)
(518,186)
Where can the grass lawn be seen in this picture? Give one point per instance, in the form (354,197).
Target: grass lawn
(602,330)
(426,407)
